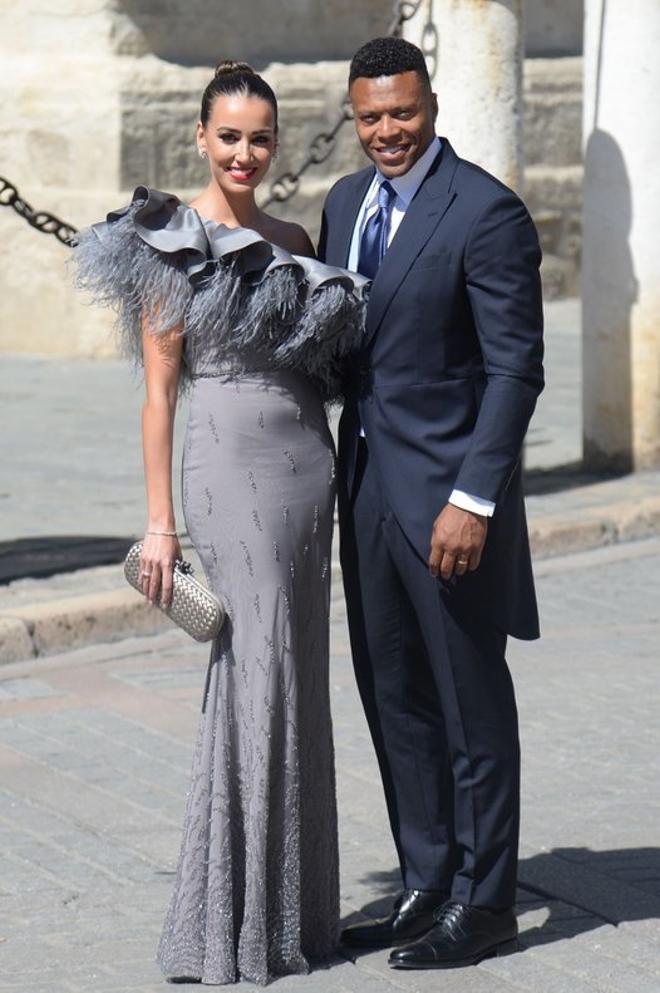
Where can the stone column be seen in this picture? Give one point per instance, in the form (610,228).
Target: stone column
(621,262)
(477,74)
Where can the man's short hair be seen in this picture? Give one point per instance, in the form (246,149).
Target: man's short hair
(388,57)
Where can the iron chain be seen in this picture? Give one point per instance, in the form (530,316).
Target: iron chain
(323,144)
(282,188)
(404,10)
(321,148)
(42,220)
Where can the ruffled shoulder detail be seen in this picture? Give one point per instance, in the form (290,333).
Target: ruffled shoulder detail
(232,293)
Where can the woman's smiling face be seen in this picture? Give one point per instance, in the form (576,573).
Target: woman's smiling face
(239,139)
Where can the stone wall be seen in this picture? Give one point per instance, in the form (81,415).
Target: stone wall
(99,95)
(194,33)
(80,158)
(92,103)
(553,27)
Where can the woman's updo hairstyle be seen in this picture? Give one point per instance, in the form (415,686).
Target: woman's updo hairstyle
(233,78)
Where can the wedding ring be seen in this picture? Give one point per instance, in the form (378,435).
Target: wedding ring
(462,561)
(145,573)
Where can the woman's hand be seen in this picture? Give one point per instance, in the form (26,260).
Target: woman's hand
(162,361)
(159,553)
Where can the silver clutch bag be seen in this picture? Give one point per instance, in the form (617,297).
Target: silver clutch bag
(193,607)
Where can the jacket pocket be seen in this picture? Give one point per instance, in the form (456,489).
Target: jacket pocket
(431,260)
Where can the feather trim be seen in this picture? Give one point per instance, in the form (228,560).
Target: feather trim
(235,297)
(122,272)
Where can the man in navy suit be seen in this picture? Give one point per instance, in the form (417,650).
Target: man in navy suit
(434,542)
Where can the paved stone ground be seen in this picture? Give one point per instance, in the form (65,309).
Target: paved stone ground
(95,748)
(70,456)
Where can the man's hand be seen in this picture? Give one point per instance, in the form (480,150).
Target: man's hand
(457,542)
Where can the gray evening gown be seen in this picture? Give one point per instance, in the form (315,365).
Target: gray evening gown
(256,892)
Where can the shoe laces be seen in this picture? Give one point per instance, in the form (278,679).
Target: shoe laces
(448,915)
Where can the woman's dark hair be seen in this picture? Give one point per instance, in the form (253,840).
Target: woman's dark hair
(388,57)
(231,78)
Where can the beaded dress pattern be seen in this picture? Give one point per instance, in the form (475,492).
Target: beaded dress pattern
(256,890)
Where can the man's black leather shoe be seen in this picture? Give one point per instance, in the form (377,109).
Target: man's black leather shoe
(461,935)
(411,917)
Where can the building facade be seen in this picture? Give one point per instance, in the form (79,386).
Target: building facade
(98,96)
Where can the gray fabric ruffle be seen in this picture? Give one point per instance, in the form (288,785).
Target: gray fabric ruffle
(237,299)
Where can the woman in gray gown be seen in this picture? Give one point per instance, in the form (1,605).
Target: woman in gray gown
(222,297)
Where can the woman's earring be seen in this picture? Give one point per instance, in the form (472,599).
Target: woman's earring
(202,153)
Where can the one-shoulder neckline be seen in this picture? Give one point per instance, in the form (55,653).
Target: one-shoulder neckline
(232,290)
(169,225)
(220,224)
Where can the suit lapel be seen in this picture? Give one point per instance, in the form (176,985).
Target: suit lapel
(422,217)
(342,229)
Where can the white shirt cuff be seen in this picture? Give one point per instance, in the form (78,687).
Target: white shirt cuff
(475,504)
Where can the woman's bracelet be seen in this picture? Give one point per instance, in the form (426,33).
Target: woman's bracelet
(170,534)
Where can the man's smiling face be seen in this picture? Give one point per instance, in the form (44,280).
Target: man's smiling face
(394,119)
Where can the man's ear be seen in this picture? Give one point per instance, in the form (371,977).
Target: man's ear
(434,105)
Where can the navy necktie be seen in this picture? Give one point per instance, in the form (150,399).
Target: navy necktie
(373,243)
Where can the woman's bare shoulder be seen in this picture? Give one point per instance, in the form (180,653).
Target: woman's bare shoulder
(289,236)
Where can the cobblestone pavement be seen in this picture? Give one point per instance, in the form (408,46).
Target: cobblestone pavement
(95,748)
(72,459)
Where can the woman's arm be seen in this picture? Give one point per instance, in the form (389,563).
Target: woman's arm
(162,363)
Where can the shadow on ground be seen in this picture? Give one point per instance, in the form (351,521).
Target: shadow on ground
(581,890)
(38,558)
(541,482)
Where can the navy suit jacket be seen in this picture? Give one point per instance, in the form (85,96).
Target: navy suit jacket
(451,365)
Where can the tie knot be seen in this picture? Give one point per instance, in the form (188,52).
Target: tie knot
(386,195)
